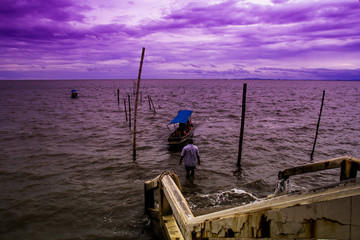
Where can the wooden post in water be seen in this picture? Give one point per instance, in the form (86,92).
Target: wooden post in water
(125,109)
(136,102)
(242,125)
(149,102)
(317,126)
(129,111)
(118,96)
(153,105)
(349,170)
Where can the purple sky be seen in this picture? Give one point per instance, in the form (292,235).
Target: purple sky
(103,39)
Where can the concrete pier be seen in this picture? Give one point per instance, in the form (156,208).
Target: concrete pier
(332,212)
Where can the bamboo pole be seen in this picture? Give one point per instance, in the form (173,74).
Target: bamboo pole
(317,126)
(129,112)
(149,102)
(242,125)
(125,109)
(152,104)
(136,101)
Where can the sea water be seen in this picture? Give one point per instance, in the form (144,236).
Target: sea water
(67,169)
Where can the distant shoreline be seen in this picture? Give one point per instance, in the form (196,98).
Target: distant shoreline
(172,79)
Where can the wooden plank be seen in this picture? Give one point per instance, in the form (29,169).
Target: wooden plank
(172,230)
(318,166)
(349,170)
(178,204)
(149,199)
(154,213)
(152,183)
(149,188)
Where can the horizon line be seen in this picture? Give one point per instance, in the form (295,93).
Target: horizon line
(236,79)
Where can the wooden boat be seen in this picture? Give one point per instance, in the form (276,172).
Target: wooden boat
(74,94)
(182,128)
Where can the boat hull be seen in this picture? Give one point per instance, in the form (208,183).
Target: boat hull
(179,140)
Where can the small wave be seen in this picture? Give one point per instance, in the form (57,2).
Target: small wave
(221,199)
(145,148)
(232,116)
(26,134)
(261,149)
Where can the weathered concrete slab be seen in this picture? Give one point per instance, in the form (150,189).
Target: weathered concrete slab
(325,214)
(332,212)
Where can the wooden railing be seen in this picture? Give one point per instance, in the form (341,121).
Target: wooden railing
(349,168)
(171,205)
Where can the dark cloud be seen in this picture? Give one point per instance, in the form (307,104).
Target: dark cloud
(39,10)
(223,14)
(231,13)
(44,20)
(51,34)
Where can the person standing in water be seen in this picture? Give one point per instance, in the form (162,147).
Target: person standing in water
(190,154)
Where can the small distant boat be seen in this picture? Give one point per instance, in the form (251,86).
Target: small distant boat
(182,130)
(74,94)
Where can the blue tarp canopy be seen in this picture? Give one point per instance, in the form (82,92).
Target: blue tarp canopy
(182,117)
(74,90)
